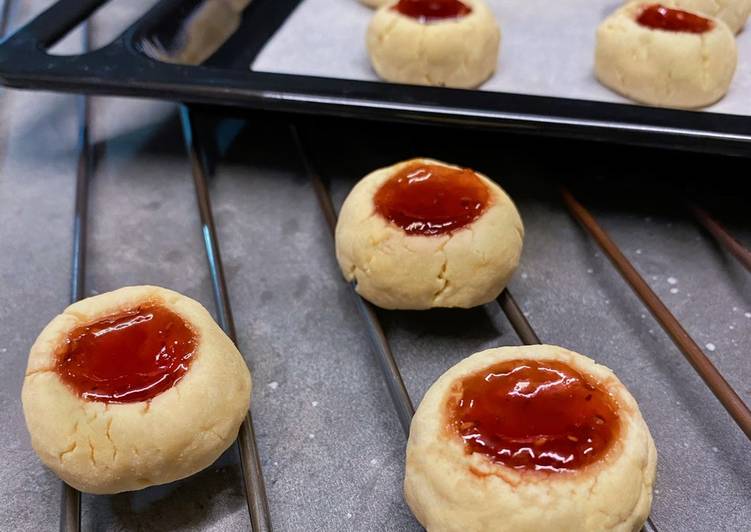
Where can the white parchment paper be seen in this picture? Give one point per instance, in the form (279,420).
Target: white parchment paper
(547,49)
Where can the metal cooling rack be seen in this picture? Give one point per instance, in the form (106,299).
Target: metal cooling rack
(254,489)
(252,475)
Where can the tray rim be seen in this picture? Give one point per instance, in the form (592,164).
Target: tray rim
(122,68)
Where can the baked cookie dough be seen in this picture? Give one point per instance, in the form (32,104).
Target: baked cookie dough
(422,234)
(133,388)
(688,65)
(459,51)
(377,3)
(570,451)
(734,13)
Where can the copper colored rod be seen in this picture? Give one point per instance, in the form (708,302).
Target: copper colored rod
(718,231)
(696,357)
(253,482)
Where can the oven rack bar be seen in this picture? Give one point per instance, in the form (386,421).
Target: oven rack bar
(70,501)
(685,343)
(725,239)
(517,319)
(253,482)
(393,377)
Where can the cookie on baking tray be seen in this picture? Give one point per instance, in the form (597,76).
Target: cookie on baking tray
(734,13)
(524,439)
(376,3)
(447,43)
(133,388)
(659,55)
(423,234)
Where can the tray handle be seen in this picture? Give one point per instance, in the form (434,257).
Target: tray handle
(55,22)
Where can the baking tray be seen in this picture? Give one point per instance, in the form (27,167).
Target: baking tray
(149,60)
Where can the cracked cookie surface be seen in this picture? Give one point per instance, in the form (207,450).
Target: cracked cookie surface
(460,52)
(396,270)
(100,447)
(664,68)
(452,490)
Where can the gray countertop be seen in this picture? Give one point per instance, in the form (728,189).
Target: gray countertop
(331,446)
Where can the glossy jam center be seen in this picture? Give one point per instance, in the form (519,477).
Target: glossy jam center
(535,415)
(432,9)
(660,17)
(429,199)
(129,357)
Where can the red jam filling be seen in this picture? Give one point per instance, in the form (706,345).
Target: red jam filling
(660,17)
(426,10)
(535,415)
(429,199)
(130,357)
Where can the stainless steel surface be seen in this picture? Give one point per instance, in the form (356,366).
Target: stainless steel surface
(330,443)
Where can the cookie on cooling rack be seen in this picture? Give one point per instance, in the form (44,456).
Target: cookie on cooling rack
(422,234)
(523,439)
(734,13)
(659,55)
(447,43)
(133,388)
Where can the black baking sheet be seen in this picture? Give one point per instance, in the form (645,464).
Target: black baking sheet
(128,66)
